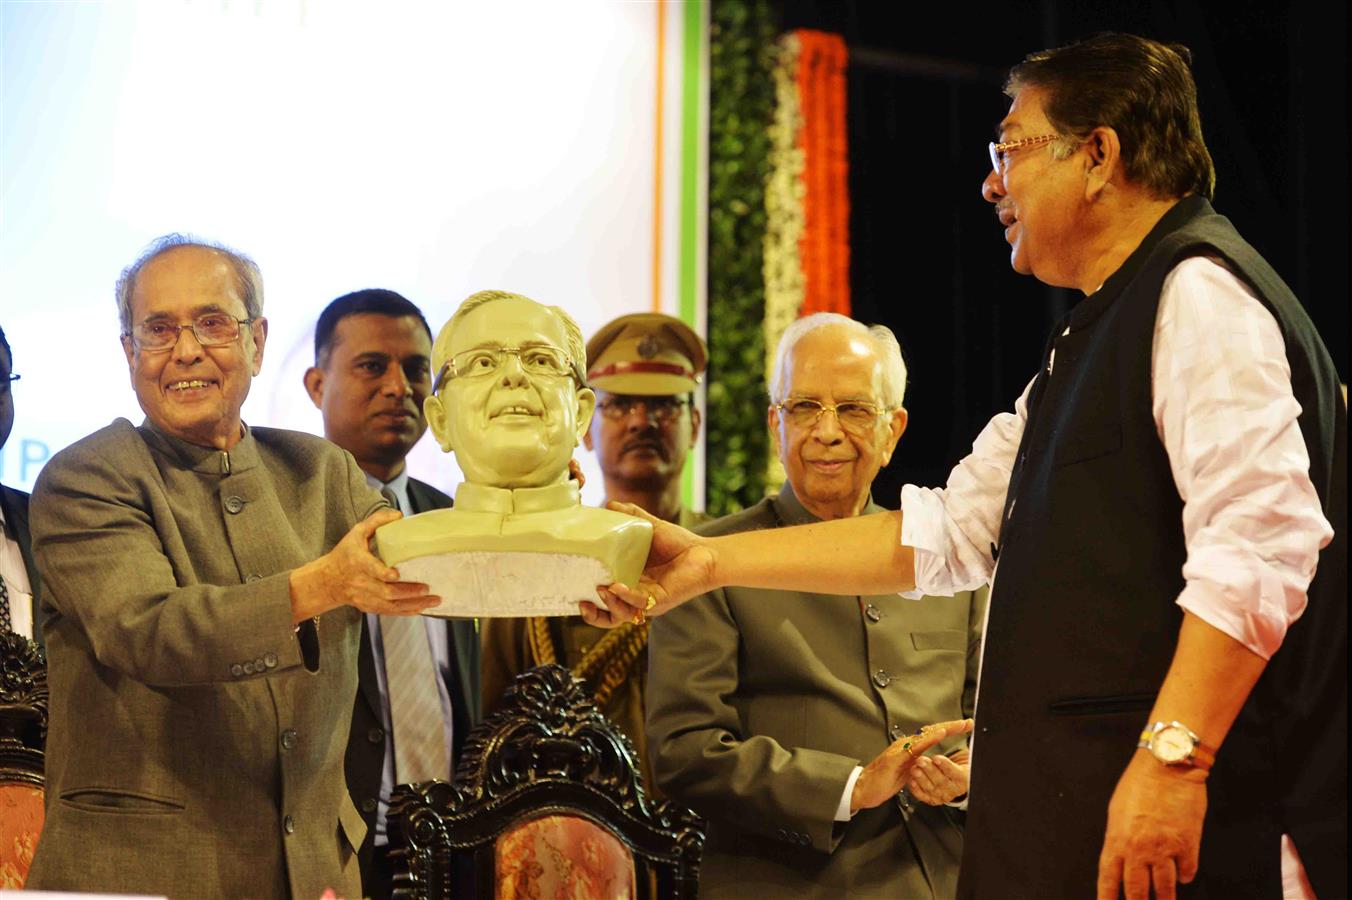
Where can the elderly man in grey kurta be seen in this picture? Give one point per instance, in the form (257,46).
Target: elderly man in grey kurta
(204,587)
(775,714)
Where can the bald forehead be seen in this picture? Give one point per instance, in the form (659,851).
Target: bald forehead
(188,255)
(835,353)
(188,272)
(837,339)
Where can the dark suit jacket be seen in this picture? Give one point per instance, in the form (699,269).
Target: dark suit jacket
(15,506)
(366,745)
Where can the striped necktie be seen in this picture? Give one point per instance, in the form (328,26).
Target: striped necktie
(6,622)
(415,702)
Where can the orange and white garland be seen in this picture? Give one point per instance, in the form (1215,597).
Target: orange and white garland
(807,193)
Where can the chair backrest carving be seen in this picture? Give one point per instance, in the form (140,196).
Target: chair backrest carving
(23,709)
(23,735)
(546,752)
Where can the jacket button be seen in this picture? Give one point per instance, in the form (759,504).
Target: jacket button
(376,735)
(873,613)
(248,668)
(897,732)
(233,504)
(882,678)
(368,805)
(253,576)
(270,660)
(288,739)
(804,840)
(782,834)
(237,670)
(288,825)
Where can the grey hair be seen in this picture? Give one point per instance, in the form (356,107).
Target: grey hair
(577,345)
(882,338)
(248,277)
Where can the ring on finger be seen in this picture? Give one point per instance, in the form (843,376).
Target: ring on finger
(640,618)
(652,601)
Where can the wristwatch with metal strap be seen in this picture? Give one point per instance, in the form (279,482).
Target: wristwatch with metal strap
(1175,744)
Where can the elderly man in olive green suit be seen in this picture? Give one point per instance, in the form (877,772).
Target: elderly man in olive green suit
(205,582)
(771,713)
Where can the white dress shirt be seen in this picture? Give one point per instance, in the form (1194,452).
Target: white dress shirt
(1226,414)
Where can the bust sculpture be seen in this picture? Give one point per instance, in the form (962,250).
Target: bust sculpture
(511,402)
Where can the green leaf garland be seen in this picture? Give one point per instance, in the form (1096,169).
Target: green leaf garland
(741,106)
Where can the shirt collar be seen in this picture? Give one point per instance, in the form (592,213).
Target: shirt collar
(204,460)
(398,485)
(791,511)
(505,502)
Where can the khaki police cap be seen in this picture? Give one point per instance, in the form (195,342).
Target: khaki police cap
(648,354)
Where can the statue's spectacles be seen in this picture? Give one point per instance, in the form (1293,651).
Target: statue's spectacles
(210,329)
(854,416)
(540,360)
(661,408)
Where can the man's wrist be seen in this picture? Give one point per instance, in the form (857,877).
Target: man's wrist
(710,546)
(845,810)
(306,598)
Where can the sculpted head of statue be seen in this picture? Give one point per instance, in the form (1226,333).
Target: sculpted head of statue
(509,398)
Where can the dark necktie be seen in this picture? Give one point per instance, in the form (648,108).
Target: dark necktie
(6,622)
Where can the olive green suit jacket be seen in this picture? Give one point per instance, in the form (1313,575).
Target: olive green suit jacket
(196,738)
(760,705)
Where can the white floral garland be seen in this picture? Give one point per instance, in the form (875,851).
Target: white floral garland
(785,192)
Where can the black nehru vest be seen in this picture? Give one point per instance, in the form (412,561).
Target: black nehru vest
(1083,620)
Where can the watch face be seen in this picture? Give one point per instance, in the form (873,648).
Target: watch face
(1172,745)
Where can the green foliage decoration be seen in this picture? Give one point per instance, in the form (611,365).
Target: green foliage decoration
(741,106)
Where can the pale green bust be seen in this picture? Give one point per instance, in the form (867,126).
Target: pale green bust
(510,402)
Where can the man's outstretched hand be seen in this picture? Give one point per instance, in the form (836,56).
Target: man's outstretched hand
(680,566)
(884,778)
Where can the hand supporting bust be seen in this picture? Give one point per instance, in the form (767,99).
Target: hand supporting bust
(680,566)
(351,575)
(865,554)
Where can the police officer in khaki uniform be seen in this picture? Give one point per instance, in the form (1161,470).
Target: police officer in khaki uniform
(644,368)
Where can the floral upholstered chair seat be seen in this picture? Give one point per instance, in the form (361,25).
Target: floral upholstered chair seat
(21,815)
(563,858)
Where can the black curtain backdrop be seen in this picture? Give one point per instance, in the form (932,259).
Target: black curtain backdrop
(928,257)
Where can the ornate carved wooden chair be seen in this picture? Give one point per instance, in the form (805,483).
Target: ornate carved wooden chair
(547,802)
(23,734)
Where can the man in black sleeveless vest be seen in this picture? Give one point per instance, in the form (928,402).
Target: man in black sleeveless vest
(1166,649)
(1180,458)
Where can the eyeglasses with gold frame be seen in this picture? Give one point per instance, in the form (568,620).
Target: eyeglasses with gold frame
(999,151)
(854,416)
